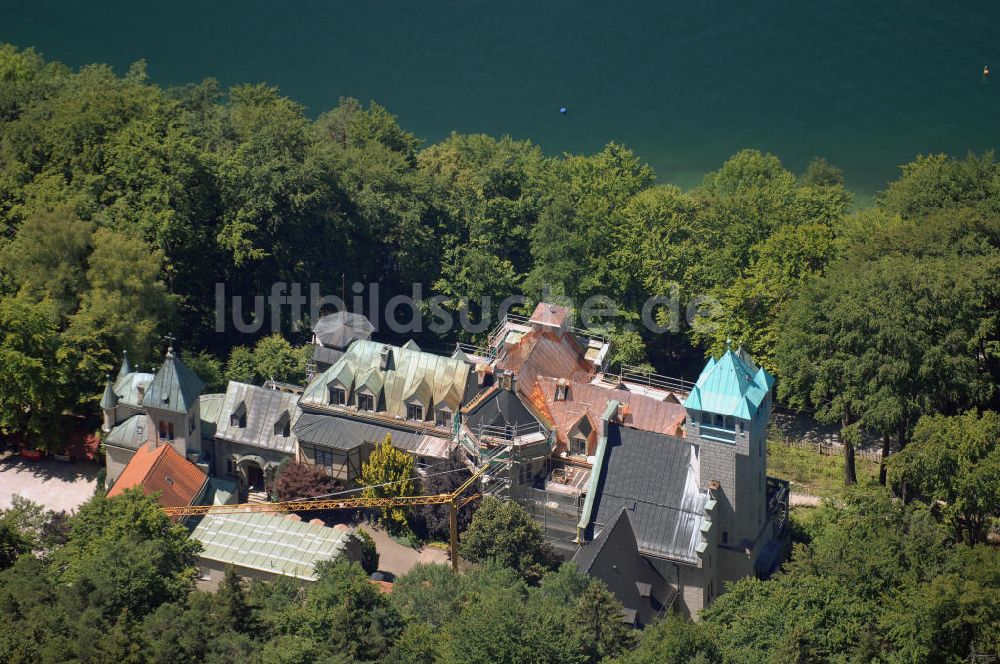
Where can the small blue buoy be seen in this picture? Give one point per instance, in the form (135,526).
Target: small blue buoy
(563,110)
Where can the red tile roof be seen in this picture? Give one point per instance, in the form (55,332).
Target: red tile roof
(162,469)
(640,411)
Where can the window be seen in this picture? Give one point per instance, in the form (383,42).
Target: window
(283,426)
(239,416)
(725,537)
(163,430)
(191,424)
(230,467)
(323,458)
(562,387)
(578,445)
(337,396)
(414,411)
(366,402)
(170,431)
(442,418)
(720,421)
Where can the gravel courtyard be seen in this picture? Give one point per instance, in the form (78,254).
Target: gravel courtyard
(59,486)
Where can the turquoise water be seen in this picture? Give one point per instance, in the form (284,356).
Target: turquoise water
(685,84)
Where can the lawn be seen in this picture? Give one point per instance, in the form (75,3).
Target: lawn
(813,473)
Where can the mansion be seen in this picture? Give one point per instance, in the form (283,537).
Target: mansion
(625,470)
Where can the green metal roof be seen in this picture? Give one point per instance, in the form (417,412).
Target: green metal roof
(433,379)
(209,407)
(732,385)
(174,387)
(269,543)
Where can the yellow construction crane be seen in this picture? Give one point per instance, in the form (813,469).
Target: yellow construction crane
(453,500)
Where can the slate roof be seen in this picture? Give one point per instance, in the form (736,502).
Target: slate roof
(614,559)
(445,378)
(130,434)
(162,469)
(652,475)
(499,409)
(263,409)
(268,543)
(343,433)
(324,355)
(175,387)
(339,329)
(731,385)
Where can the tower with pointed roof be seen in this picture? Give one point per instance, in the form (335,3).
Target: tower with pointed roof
(728,412)
(171,404)
(109,404)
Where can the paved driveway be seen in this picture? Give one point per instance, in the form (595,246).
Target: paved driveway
(398,559)
(59,486)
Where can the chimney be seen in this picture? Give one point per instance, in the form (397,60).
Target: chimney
(507,380)
(482,371)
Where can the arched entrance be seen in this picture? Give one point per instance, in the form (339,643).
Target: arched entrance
(251,473)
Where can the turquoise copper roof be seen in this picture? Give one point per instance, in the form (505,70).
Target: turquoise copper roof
(731,385)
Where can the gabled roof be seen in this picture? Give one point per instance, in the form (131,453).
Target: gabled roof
(640,411)
(263,408)
(343,373)
(344,433)
(614,559)
(129,435)
(162,469)
(275,544)
(420,393)
(371,381)
(652,476)
(175,387)
(498,409)
(730,386)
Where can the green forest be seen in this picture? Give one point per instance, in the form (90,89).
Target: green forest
(123,204)
(871,579)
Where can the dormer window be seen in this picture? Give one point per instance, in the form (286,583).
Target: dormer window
(562,389)
(166,431)
(283,426)
(578,446)
(442,418)
(238,418)
(366,402)
(414,411)
(338,396)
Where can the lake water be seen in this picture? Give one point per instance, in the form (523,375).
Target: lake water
(685,84)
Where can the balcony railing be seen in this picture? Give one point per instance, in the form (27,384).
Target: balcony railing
(717,433)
